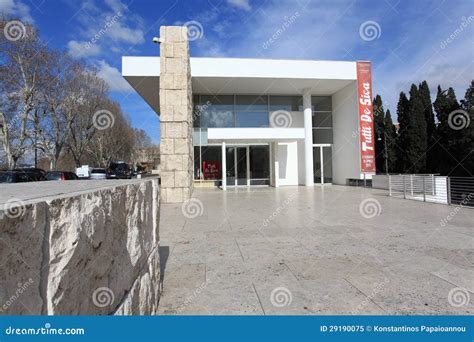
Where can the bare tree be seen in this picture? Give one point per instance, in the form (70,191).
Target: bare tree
(20,75)
(89,97)
(114,142)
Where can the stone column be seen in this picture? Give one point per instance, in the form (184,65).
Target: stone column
(176,122)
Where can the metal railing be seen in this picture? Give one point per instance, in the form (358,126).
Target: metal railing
(428,188)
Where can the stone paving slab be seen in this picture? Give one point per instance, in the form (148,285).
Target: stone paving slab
(308,251)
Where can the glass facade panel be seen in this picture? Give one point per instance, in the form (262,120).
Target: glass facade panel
(207,162)
(322,119)
(211,118)
(288,103)
(321,103)
(317,164)
(230,165)
(218,102)
(322,136)
(251,119)
(250,103)
(327,164)
(259,162)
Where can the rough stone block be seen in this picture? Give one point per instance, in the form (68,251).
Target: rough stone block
(176,34)
(166,146)
(167,179)
(181,179)
(181,146)
(172,163)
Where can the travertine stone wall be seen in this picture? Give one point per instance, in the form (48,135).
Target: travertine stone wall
(88,253)
(176,146)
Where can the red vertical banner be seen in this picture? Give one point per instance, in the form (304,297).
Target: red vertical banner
(366,117)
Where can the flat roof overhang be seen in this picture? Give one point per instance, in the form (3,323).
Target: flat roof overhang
(243,76)
(254,135)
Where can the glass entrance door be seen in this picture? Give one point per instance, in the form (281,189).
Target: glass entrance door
(322,163)
(237,162)
(247,165)
(241,165)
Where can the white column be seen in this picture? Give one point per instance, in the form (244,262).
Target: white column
(224,168)
(308,140)
(247,153)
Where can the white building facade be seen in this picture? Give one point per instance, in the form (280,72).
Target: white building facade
(266,122)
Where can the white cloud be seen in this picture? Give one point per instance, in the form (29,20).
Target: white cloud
(242,4)
(120,33)
(113,77)
(82,49)
(16,8)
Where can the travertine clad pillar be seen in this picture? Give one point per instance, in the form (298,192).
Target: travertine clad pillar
(176,146)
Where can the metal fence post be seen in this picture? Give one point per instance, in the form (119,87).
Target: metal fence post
(448,187)
(404,188)
(424,189)
(411,185)
(390,185)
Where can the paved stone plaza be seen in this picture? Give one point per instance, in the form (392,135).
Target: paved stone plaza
(298,250)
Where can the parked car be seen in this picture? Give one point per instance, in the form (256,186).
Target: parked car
(84,171)
(119,170)
(61,175)
(15,176)
(97,174)
(35,170)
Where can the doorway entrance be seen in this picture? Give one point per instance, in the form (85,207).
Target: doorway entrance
(247,165)
(322,161)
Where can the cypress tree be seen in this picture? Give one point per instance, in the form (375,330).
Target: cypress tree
(391,136)
(379,128)
(444,105)
(402,137)
(430,125)
(464,140)
(417,145)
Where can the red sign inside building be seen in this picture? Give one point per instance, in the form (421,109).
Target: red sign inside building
(211,169)
(366,117)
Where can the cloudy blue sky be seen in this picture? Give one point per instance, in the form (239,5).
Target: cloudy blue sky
(407,41)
